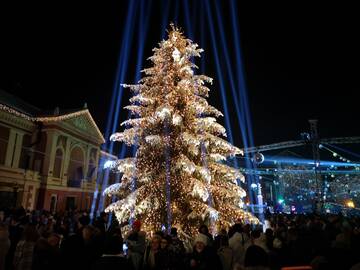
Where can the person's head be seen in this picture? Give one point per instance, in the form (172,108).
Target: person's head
(155,243)
(224,241)
(117,231)
(83,221)
(164,243)
(136,226)
(104,216)
(88,232)
(277,243)
(113,245)
(54,240)
(255,234)
(269,233)
(237,228)
(203,229)
(246,228)
(292,234)
(256,256)
(200,242)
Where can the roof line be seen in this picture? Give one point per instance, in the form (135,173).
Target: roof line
(54,118)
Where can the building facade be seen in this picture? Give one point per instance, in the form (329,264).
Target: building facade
(47,160)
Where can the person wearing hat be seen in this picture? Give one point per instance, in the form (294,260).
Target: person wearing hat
(203,256)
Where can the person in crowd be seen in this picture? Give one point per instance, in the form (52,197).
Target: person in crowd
(259,239)
(256,258)
(102,222)
(238,243)
(46,226)
(73,246)
(177,249)
(322,241)
(83,221)
(203,256)
(152,254)
(16,228)
(4,244)
(205,231)
(225,253)
(136,241)
(218,238)
(23,257)
(92,243)
(177,245)
(47,253)
(269,238)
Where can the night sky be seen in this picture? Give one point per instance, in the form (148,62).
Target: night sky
(301,60)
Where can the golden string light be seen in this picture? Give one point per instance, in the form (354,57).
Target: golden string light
(201,188)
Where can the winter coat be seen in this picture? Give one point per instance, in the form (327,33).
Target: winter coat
(238,242)
(226,255)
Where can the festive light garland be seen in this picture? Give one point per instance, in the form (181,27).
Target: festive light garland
(57,118)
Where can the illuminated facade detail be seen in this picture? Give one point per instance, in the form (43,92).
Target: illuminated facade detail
(47,162)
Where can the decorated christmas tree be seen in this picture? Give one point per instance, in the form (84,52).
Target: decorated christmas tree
(178,176)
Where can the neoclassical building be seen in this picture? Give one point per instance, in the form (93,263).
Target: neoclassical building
(48,160)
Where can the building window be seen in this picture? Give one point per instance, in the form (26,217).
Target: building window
(70,203)
(53,203)
(58,163)
(76,165)
(39,154)
(4,138)
(25,152)
(91,170)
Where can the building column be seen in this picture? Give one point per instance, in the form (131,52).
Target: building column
(50,149)
(66,162)
(97,164)
(87,160)
(13,151)
(10,148)
(17,150)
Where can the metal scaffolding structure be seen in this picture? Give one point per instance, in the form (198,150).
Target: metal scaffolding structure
(296,143)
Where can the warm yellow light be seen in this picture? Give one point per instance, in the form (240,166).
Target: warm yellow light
(177,167)
(350,204)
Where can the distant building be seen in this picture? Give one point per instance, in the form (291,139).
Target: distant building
(48,160)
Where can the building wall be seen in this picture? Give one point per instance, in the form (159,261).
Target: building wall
(82,200)
(4,137)
(30,171)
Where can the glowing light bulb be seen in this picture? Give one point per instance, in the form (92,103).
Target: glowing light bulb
(350,204)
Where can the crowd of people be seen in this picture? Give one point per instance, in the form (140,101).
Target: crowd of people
(71,240)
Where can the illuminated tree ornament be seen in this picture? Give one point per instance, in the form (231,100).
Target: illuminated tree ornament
(201,188)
